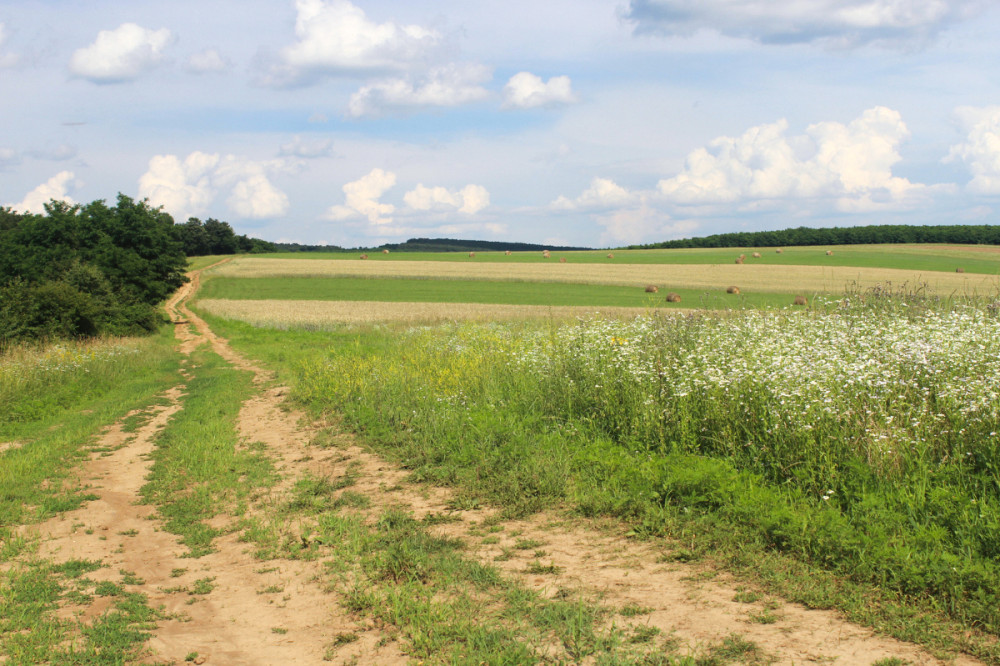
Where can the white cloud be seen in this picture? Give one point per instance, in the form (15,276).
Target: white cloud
(981,149)
(450,85)
(188,188)
(207,61)
(361,198)
(837,23)
(55,187)
(183,188)
(470,199)
(527,91)
(6,59)
(849,163)
(298,147)
(641,224)
(121,54)
(602,193)
(336,38)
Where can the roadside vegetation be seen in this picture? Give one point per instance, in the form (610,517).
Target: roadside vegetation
(860,444)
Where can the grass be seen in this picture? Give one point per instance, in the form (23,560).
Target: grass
(778,442)
(199,468)
(909,257)
(471,291)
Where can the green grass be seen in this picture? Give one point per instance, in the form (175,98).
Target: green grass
(473,291)
(910,257)
(527,417)
(199,468)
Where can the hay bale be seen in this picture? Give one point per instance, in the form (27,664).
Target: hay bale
(611,255)
(732,289)
(755,255)
(472,254)
(673,297)
(800,300)
(743,256)
(364,256)
(959,270)
(778,251)
(546,254)
(739,260)
(829,253)
(562,260)
(651,289)
(507,253)
(385,251)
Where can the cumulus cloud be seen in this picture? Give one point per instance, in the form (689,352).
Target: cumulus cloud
(55,187)
(449,85)
(470,199)
(361,198)
(208,61)
(527,91)
(7,59)
(189,187)
(120,55)
(298,147)
(336,38)
(849,163)
(981,149)
(602,193)
(837,23)
(641,224)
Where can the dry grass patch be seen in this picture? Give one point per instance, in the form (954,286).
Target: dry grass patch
(758,278)
(327,314)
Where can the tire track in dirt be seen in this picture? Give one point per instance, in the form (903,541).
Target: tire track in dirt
(235,622)
(258,611)
(607,565)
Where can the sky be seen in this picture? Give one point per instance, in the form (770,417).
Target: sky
(598,123)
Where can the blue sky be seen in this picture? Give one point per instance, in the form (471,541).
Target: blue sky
(584,122)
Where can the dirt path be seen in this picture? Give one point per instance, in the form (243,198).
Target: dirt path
(279,612)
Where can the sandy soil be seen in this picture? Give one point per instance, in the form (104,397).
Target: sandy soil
(236,622)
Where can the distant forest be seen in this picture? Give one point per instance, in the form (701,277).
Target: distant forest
(86,270)
(433,245)
(980,234)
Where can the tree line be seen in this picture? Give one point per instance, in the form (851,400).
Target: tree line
(964,234)
(86,270)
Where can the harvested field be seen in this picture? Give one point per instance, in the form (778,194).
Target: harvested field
(320,314)
(761,278)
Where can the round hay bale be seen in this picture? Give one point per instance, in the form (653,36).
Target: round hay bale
(546,254)
(739,261)
(385,251)
(755,255)
(959,270)
(472,254)
(732,289)
(778,251)
(562,260)
(651,289)
(364,256)
(743,256)
(507,253)
(673,297)
(800,300)
(829,253)
(611,255)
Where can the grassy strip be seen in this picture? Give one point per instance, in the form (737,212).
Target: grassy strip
(445,608)
(909,257)
(31,632)
(34,476)
(401,290)
(200,468)
(458,414)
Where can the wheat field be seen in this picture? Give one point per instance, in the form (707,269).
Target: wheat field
(761,278)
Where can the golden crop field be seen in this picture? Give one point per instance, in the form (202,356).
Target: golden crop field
(323,314)
(761,278)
